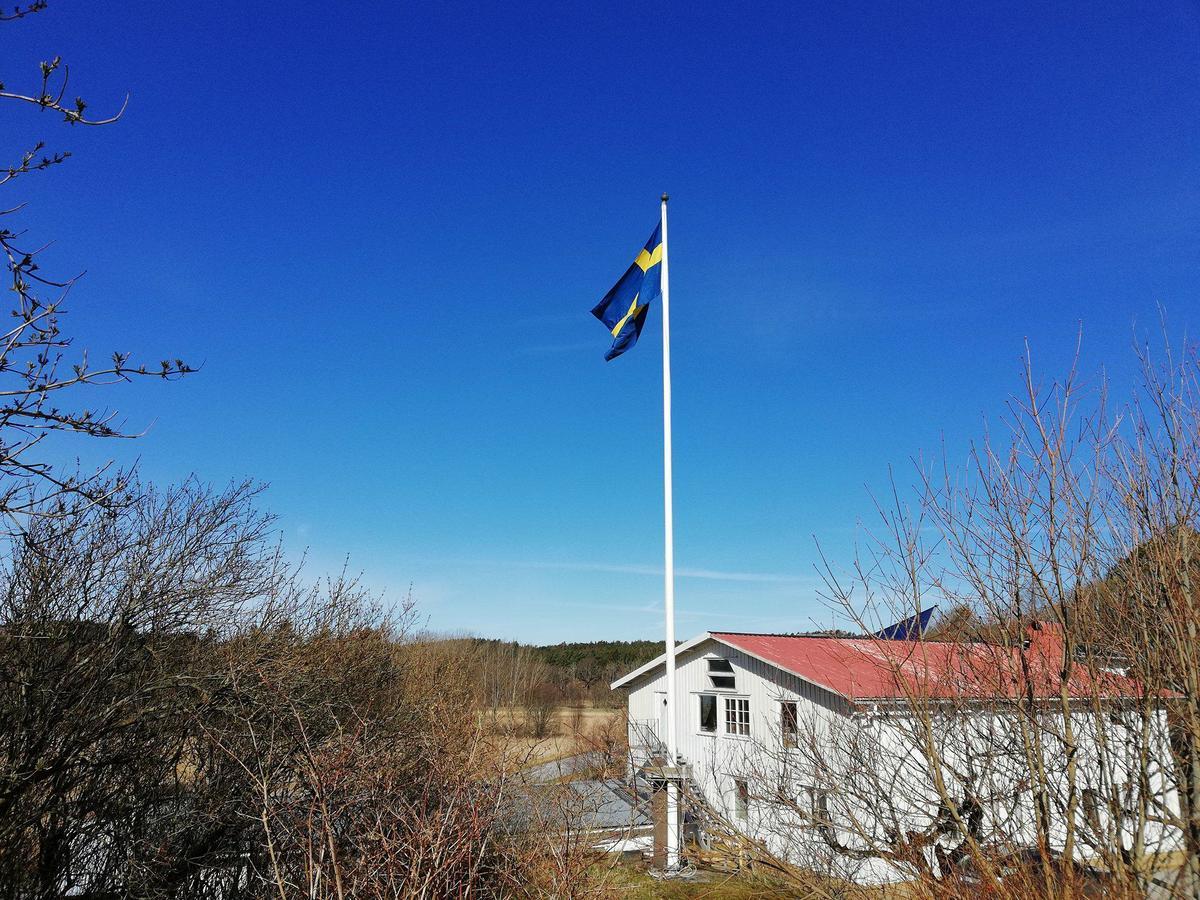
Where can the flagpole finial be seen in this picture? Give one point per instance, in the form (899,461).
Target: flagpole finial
(665,198)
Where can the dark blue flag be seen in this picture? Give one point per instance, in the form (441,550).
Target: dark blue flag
(623,309)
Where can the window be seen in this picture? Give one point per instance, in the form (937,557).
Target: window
(741,798)
(737,715)
(789,725)
(820,806)
(720,673)
(1091,810)
(708,713)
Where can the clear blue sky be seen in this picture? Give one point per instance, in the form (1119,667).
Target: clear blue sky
(380,227)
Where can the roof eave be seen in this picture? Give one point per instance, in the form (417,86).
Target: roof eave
(658,661)
(708,635)
(781,668)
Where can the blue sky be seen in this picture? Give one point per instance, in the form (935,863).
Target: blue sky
(380,227)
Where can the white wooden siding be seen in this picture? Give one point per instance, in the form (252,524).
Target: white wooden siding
(715,758)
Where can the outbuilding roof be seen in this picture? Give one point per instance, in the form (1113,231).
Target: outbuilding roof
(869,668)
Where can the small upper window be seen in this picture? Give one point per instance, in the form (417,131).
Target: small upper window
(720,673)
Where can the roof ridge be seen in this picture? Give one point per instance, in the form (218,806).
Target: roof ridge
(786,634)
(843,637)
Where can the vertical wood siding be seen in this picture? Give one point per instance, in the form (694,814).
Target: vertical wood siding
(714,758)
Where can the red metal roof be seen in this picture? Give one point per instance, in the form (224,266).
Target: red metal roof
(871,668)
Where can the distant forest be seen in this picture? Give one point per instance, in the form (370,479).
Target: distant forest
(514,674)
(627,654)
(608,656)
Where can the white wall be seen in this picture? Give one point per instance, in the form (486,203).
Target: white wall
(716,758)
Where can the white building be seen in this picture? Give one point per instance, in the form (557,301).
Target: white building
(821,747)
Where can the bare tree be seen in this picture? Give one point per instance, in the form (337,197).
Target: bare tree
(1075,515)
(588,672)
(39,382)
(1064,755)
(540,705)
(105,624)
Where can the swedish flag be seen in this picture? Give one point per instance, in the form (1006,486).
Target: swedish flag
(623,309)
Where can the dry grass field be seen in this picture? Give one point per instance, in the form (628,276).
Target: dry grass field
(572,729)
(635,883)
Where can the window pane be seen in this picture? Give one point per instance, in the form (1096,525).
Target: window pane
(722,681)
(788,723)
(708,712)
(737,715)
(719,665)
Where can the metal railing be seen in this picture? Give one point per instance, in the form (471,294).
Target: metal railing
(647,745)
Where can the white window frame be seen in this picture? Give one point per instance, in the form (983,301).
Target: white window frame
(714,673)
(740,709)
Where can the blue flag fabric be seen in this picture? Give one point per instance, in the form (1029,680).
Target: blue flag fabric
(909,629)
(623,309)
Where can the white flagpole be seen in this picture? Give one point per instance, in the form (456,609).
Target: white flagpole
(673,842)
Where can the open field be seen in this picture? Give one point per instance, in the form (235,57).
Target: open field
(565,719)
(635,883)
(570,730)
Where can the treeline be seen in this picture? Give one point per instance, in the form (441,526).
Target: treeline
(623,654)
(589,662)
(524,676)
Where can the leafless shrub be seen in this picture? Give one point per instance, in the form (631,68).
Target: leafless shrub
(507,673)
(182,715)
(557,853)
(609,740)
(540,706)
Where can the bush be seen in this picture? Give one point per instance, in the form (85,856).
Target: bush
(182,716)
